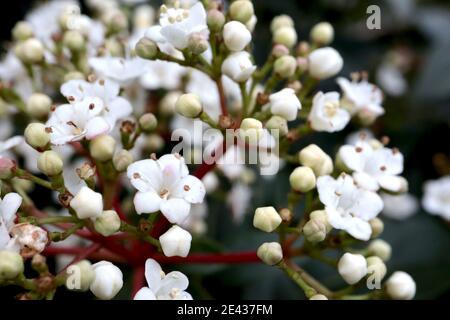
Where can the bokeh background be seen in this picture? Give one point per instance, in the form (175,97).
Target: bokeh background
(415,39)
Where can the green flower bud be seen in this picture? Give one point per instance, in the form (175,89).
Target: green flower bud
(146,49)
(302,179)
(189,105)
(22,31)
(241,10)
(281,21)
(215,20)
(11,265)
(266,219)
(39,105)
(74,40)
(30,51)
(376,266)
(50,163)
(148,122)
(381,249)
(36,135)
(278,123)
(197,43)
(322,33)
(122,160)
(286,36)
(102,148)
(315,230)
(377,227)
(285,66)
(107,223)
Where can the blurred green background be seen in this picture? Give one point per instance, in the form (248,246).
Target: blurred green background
(416,36)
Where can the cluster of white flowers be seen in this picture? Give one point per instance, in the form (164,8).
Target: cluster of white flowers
(101,96)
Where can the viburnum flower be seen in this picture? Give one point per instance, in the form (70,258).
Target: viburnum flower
(163,286)
(238,66)
(165,185)
(436,199)
(285,104)
(349,207)
(374,166)
(361,97)
(326,113)
(162,75)
(177,25)
(118,69)
(8,208)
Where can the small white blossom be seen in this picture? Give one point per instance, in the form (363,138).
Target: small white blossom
(175,242)
(349,207)
(436,198)
(165,184)
(236,36)
(326,113)
(238,66)
(163,286)
(121,70)
(108,280)
(324,63)
(400,206)
(285,104)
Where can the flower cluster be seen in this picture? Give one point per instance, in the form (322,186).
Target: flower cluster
(102,99)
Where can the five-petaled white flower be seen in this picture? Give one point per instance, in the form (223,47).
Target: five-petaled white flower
(436,199)
(361,97)
(165,185)
(176,25)
(326,113)
(374,165)
(93,110)
(349,207)
(163,286)
(8,208)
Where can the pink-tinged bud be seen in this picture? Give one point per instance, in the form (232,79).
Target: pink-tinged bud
(7,167)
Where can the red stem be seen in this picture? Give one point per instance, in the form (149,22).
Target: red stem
(223,100)
(138,279)
(229,258)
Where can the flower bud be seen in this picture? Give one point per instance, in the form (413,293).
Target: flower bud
(197,43)
(154,143)
(352,267)
(324,63)
(215,20)
(270,253)
(39,105)
(36,135)
(22,31)
(322,216)
(102,147)
(251,129)
(11,265)
(108,280)
(241,10)
(318,297)
(143,16)
(286,215)
(302,179)
(285,66)
(376,267)
(189,105)
(251,23)
(87,203)
(322,34)
(50,163)
(74,41)
(122,160)
(266,219)
(236,36)
(86,274)
(377,227)
(286,36)
(7,167)
(167,104)
(381,249)
(115,21)
(176,242)
(315,230)
(278,123)
(148,122)
(281,21)
(73,75)
(30,51)
(279,50)
(238,66)
(107,223)
(312,156)
(146,49)
(401,286)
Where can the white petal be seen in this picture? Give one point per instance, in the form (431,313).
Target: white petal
(146,202)
(9,206)
(145,175)
(190,189)
(153,273)
(175,210)
(176,36)
(145,294)
(96,127)
(393,183)
(365,181)
(173,280)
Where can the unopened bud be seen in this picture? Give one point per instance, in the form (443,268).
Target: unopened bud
(22,31)
(146,49)
(322,216)
(11,265)
(215,20)
(102,147)
(380,248)
(148,122)
(87,203)
(286,36)
(315,230)
(73,75)
(281,21)
(122,160)
(236,36)
(270,253)
(50,163)
(280,50)
(86,273)
(314,157)
(285,66)
(286,215)
(251,129)
(401,286)
(7,167)
(176,242)
(376,267)
(107,223)
(266,219)
(377,227)
(352,267)
(39,105)
(30,51)
(278,123)
(197,43)
(189,105)
(322,33)
(241,10)
(36,135)
(74,40)
(302,179)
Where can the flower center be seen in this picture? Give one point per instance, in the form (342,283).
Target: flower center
(175,292)
(164,193)
(173,15)
(331,108)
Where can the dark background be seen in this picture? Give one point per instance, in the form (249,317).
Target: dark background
(417,123)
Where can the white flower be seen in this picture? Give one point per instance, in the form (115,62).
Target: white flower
(165,185)
(8,209)
(324,63)
(391,79)
(352,267)
(175,242)
(401,286)
(238,66)
(119,69)
(13,72)
(326,113)
(176,25)
(361,97)
(163,286)
(87,203)
(348,207)
(285,104)
(400,206)
(108,280)
(162,75)
(236,36)
(436,199)
(374,167)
